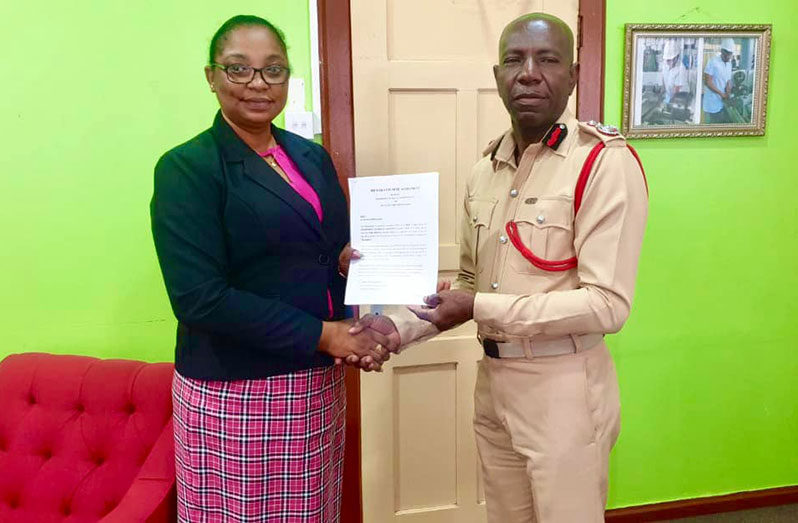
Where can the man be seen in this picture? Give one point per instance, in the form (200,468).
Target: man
(674,74)
(544,278)
(718,84)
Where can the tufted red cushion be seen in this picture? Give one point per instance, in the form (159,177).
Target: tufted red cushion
(83,438)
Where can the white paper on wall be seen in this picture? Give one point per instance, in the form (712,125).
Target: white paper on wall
(300,122)
(296,95)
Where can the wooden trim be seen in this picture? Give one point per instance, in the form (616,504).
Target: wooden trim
(338,134)
(590,46)
(335,62)
(700,506)
(352,499)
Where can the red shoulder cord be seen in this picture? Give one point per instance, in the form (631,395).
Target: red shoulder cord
(579,192)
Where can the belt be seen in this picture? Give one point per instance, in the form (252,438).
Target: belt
(529,348)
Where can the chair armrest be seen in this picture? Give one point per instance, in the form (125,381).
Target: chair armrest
(151,496)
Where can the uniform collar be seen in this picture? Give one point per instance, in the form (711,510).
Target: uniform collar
(503,150)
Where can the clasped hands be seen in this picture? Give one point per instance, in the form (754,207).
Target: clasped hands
(367,343)
(370,341)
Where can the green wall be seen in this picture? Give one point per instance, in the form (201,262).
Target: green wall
(96,91)
(93,93)
(708,362)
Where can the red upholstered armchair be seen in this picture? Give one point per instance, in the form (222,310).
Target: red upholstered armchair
(84,439)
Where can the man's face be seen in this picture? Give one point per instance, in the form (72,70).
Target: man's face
(725,55)
(535,75)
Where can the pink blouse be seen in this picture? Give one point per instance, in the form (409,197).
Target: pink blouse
(303,188)
(298,182)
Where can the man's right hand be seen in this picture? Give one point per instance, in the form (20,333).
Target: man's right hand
(382,329)
(339,343)
(379,328)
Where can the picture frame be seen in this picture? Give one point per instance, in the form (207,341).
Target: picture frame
(692,80)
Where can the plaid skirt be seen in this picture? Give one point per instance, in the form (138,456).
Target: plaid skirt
(266,450)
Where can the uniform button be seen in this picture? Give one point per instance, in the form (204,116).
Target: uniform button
(502,239)
(540,219)
(324,259)
(514,193)
(494,285)
(474,219)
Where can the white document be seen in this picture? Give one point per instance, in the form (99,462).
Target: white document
(394,225)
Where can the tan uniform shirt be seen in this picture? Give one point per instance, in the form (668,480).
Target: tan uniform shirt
(515,299)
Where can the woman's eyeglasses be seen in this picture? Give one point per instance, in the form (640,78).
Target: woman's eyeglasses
(243,74)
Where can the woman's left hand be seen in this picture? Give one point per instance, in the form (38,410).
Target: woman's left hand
(347,255)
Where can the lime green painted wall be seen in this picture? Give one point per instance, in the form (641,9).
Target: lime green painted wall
(705,363)
(708,362)
(93,93)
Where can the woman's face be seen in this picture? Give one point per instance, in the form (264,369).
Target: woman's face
(253,105)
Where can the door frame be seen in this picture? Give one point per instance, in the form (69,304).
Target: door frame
(338,134)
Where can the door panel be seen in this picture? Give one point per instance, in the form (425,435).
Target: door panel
(425,100)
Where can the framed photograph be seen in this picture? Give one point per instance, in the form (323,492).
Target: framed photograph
(695,80)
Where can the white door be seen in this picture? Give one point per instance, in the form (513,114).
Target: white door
(425,100)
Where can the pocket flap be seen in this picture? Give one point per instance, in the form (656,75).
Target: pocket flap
(548,212)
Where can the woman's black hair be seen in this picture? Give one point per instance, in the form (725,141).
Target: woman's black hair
(217,42)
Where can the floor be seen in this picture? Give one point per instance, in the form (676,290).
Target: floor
(780,514)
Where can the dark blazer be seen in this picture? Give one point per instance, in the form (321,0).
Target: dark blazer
(245,260)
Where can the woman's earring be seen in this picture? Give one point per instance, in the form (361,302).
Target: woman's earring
(213,88)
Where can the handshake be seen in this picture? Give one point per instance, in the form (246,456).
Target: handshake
(370,341)
(366,343)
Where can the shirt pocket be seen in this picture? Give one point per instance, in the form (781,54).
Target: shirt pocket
(481,211)
(545,227)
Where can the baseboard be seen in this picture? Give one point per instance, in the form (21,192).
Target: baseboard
(700,506)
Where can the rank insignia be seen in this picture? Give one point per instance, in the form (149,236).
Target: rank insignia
(609,130)
(556,135)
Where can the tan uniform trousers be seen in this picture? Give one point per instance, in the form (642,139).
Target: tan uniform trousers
(544,430)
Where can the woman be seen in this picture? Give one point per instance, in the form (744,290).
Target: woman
(248,222)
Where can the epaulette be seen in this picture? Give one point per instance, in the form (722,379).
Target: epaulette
(608,134)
